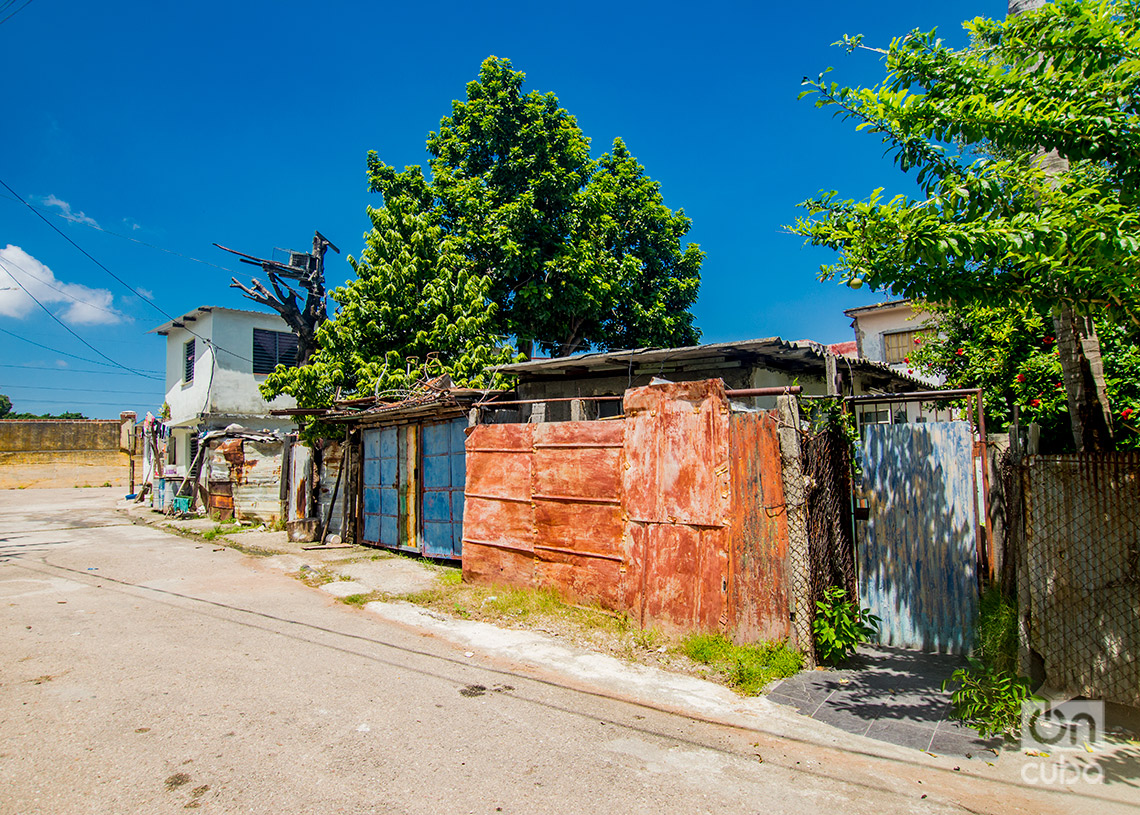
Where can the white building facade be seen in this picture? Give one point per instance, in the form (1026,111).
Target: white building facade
(216,358)
(886,333)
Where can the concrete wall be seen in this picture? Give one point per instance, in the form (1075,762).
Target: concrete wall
(871,327)
(61,453)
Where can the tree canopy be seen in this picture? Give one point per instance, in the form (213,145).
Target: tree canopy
(994,223)
(414,311)
(580,253)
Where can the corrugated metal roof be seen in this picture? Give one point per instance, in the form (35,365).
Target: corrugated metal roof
(803,356)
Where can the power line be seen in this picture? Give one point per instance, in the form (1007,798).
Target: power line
(124,237)
(75,390)
(127,285)
(70,331)
(66,354)
(61,291)
(14,13)
(64,370)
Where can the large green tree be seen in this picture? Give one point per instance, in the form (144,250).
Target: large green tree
(997,221)
(414,311)
(580,253)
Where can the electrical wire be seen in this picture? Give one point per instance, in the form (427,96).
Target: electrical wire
(14,13)
(74,370)
(72,332)
(61,291)
(114,276)
(75,390)
(98,228)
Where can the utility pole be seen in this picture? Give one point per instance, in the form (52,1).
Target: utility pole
(307,269)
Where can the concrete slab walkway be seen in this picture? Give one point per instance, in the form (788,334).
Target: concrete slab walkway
(889,694)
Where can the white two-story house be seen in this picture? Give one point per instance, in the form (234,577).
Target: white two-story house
(215,360)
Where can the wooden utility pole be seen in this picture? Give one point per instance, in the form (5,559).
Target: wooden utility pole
(308,269)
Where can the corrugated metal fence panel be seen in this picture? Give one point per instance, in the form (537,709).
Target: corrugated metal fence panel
(499,516)
(917,553)
(576,490)
(677,451)
(443,484)
(758,565)
(253,471)
(1082,531)
(301,470)
(332,457)
(676,490)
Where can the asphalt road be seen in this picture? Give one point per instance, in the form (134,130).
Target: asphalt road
(143,672)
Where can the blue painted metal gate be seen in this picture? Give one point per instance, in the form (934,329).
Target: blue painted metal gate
(413,488)
(918,549)
(444,473)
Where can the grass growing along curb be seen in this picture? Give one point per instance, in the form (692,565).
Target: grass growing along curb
(745,668)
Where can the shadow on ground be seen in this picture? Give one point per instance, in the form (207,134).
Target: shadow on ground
(890,694)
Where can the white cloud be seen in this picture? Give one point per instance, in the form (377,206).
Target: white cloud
(147,293)
(67,213)
(21,274)
(131,224)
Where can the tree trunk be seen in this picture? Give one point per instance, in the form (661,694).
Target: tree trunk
(1077,343)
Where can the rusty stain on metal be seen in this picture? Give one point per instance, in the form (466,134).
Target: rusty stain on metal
(666,514)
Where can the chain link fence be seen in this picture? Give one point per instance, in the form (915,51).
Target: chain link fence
(1080,588)
(827,475)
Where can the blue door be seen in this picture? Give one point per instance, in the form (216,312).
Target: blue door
(444,473)
(382,483)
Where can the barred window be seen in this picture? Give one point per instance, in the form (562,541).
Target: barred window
(188,362)
(273,348)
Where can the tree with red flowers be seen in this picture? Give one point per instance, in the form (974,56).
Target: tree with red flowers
(1010,352)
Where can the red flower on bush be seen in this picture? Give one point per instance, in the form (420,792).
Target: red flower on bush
(1048,340)
(918,340)
(1035,402)
(960,352)
(1124,414)
(1021,377)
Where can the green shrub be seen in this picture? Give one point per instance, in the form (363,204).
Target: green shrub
(989,694)
(840,625)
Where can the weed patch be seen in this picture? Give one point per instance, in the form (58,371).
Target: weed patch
(360,600)
(745,668)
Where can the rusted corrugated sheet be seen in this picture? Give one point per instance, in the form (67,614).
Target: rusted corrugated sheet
(499,516)
(758,560)
(576,491)
(253,471)
(332,458)
(677,495)
(300,473)
(638,514)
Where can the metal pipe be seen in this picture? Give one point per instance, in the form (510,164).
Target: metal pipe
(553,399)
(913,396)
(774,391)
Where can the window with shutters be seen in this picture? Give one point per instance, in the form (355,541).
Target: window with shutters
(273,348)
(898,346)
(188,362)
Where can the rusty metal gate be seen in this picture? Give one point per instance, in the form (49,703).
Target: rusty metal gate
(918,548)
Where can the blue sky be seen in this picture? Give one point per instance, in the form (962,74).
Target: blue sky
(247,124)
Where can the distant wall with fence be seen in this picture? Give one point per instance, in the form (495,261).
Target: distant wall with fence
(43,453)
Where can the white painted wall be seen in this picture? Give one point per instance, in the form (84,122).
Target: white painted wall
(224,383)
(870,328)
